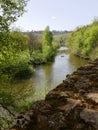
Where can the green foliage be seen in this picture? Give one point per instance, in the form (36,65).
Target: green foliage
(61,39)
(84,40)
(12,44)
(7,106)
(18,41)
(34,43)
(15,57)
(47,46)
(42,52)
(37,57)
(47,37)
(6,99)
(10,10)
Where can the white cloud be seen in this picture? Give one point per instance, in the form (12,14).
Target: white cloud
(53,17)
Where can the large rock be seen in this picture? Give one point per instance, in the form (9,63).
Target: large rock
(72,105)
(90,117)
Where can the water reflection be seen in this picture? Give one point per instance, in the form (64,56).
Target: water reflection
(46,77)
(76,61)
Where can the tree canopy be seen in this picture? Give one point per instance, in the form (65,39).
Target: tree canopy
(47,37)
(84,41)
(47,44)
(12,44)
(10,10)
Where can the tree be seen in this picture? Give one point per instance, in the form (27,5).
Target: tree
(84,40)
(47,37)
(47,47)
(34,42)
(10,10)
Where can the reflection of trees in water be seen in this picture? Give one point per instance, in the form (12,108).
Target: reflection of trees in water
(48,70)
(76,61)
(63,51)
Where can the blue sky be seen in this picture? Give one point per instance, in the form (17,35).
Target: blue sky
(57,14)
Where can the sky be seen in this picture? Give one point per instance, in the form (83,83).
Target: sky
(57,14)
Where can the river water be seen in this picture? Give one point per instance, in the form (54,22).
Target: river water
(46,77)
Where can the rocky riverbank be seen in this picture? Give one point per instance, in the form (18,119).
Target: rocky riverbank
(72,105)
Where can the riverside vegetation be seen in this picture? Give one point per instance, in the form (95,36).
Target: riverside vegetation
(23,51)
(84,41)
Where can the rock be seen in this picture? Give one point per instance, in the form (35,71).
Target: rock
(56,98)
(90,117)
(93,97)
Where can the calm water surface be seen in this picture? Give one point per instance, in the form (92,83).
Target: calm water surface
(46,77)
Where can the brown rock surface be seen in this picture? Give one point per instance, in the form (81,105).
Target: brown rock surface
(72,105)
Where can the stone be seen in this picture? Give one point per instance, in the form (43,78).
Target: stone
(93,97)
(90,117)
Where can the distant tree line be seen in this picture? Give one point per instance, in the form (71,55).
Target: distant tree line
(55,32)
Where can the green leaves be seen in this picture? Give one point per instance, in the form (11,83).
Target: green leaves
(9,12)
(47,47)
(47,37)
(84,40)
(11,44)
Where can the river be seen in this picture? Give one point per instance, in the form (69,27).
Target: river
(46,77)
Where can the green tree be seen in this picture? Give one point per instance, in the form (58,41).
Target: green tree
(12,44)
(47,47)
(47,37)
(15,56)
(10,10)
(84,41)
(34,43)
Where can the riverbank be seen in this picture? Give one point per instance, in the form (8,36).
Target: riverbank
(72,105)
